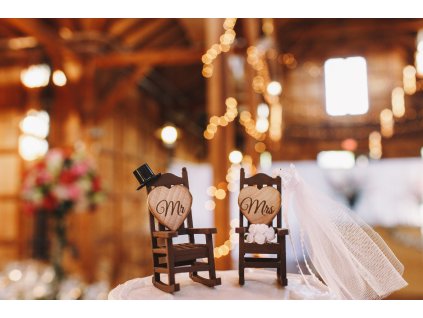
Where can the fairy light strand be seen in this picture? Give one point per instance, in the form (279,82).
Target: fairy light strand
(225,42)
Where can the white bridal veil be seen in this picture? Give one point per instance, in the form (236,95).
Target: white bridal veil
(350,257)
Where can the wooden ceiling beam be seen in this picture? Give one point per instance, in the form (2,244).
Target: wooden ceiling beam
(173,56)
(54,45)
(121,26)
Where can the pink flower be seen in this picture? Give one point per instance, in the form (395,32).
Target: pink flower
(80,168)
(74,192)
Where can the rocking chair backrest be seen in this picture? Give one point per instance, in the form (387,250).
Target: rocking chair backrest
(260,180)
(168,180)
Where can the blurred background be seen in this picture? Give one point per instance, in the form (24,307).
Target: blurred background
(93,99)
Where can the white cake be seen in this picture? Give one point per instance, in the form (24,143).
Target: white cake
(259,284)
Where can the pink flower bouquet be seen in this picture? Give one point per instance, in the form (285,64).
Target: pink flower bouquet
(60,181)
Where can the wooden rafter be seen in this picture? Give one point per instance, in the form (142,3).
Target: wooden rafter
(174,56)
(121,26)
(53,44)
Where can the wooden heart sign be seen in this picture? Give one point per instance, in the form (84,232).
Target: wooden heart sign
(170,206)
(259,206)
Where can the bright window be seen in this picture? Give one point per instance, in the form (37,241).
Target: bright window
(335,159)
(346,86)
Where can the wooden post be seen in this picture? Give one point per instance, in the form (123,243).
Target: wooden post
(218,146)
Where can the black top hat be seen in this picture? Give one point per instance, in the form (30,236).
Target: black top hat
(144,175)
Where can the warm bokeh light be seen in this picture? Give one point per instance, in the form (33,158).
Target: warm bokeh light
(36,123)
(349,144)
(36,76)
(32,148)
(263,110)
(235,156)
(387,123)
(398,102)
(260,147)
(409,79)
(220,194)
(274,88)
(375,145)
(59,78)
(262,125)
(169,134)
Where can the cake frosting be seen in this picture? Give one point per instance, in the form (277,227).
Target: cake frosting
(259,284)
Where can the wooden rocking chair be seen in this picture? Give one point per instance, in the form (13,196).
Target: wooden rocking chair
(169,258)
(278,248)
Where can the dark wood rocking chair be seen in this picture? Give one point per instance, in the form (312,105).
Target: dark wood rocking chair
(278,248)
(169,258)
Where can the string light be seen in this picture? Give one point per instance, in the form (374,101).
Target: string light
(270,90)
(216,121)
(375,145)
(249,124)
(226,40)
(409,79)
(230,244)
(398,102)
(387,123)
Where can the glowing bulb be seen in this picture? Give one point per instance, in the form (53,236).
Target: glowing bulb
(235,156)
(169,135)
(31,148)
(274,88)
(59,78)
(36,124)
(262,125)
(263,110)
(36,76)
(15,275)
(220,194)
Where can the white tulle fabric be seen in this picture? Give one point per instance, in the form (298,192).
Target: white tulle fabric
(350,257)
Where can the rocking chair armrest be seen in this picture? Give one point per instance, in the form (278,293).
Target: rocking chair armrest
(241,230)
(281,232)
(201,230)
(165,234)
